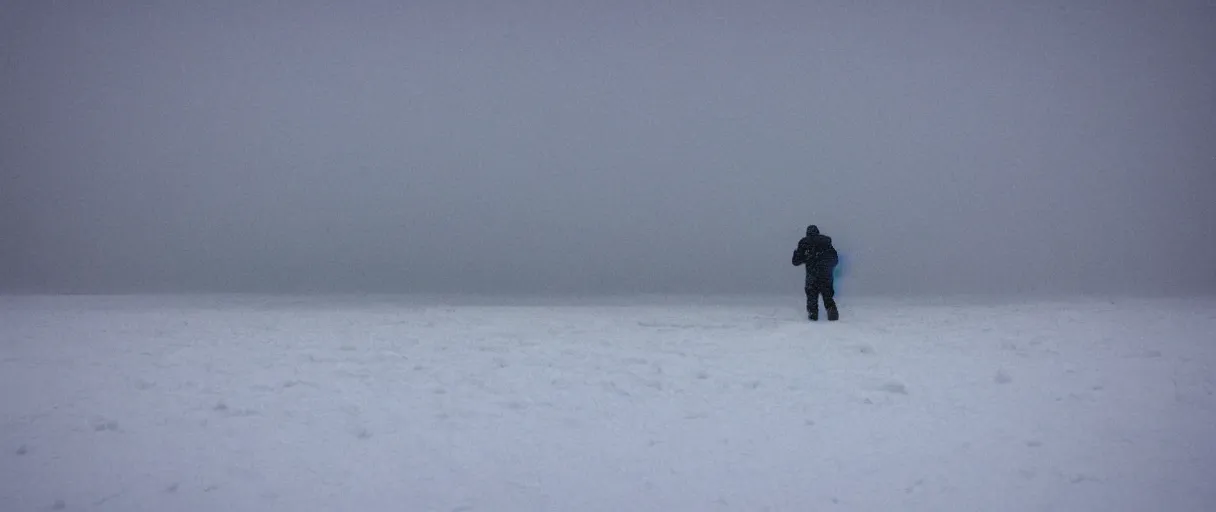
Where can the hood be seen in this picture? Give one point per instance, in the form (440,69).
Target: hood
(812,230)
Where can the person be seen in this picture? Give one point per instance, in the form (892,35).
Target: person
(816,253)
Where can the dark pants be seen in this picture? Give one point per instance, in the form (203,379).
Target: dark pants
(819,283)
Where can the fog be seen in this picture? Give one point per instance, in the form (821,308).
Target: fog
(615,147)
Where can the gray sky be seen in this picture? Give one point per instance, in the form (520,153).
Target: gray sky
(957,146)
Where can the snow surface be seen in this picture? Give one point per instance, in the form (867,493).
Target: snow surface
(382,403)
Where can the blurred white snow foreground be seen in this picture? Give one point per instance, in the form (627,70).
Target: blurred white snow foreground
(391,404)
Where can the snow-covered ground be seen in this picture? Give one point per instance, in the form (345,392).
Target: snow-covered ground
(391,404)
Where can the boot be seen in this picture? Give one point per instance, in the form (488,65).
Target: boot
(833,315)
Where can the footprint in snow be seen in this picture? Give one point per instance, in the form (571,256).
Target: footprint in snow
(612,387)
(1080,478)
(103,425)
(223,408)
(1002,377)
(895,388)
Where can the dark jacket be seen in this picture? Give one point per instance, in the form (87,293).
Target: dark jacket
(816,252)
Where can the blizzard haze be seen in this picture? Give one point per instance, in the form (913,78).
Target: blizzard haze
(958,146)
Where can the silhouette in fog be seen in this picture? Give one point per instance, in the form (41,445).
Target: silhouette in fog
(816,253)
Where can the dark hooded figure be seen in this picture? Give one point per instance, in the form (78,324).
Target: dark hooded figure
(816,253)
